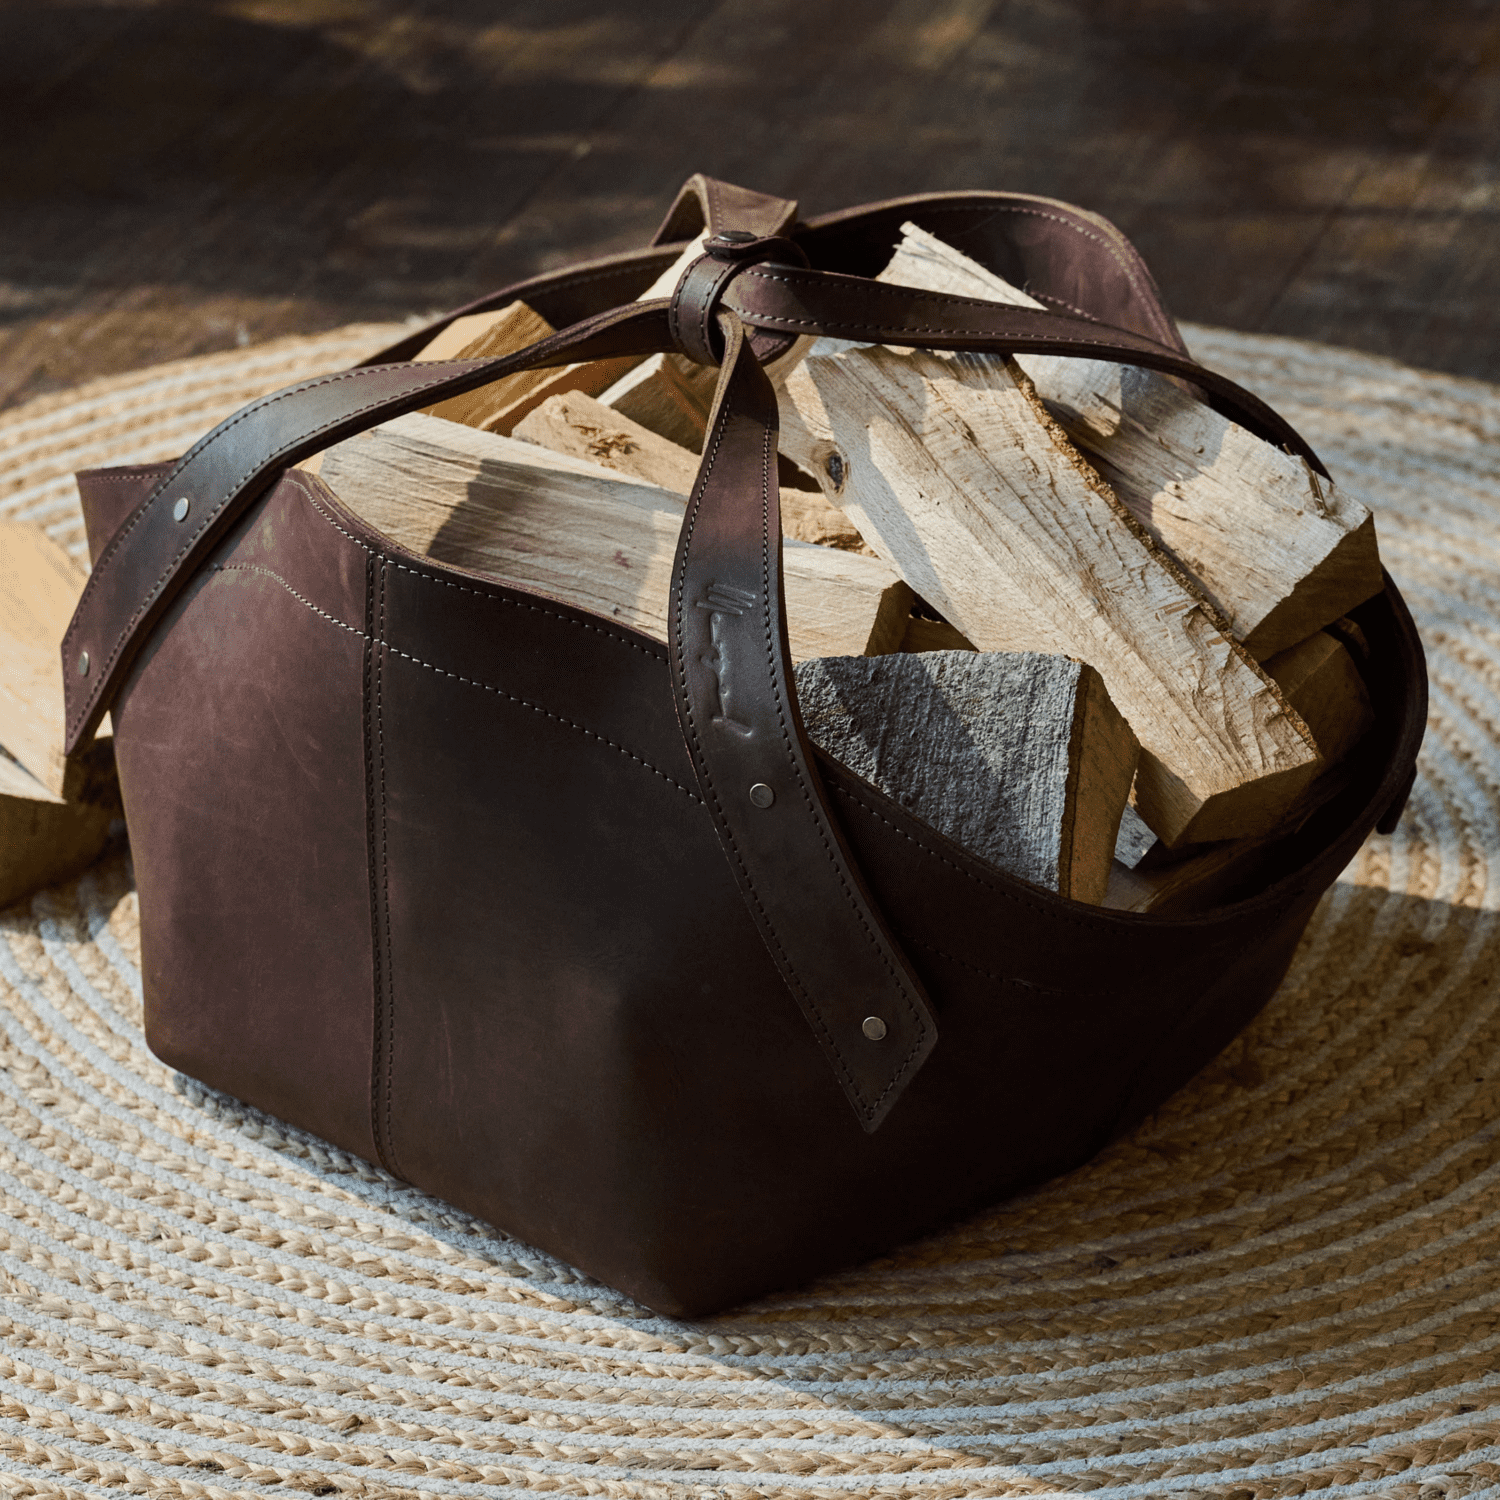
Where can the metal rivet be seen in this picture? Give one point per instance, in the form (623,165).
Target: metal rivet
(83,664)
(762,795)
(180,510)
(736,236)
(874,1028)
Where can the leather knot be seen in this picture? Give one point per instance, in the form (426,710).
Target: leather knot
(693,311)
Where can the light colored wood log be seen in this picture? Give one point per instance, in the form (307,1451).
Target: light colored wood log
(500,331)
(39,589)
(542,520)
(668,394)
(951,468)
(1323,684)
(1021,759)
(586,428)
(807,516)
(1279,551)
(43,839)
(933,635)
(1320,679)
(499,406)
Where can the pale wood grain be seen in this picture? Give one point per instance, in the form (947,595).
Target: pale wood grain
(39,589)
(543,520)
(1278,550)
(584,427)
(499,406)
(951,469)
(1323,684)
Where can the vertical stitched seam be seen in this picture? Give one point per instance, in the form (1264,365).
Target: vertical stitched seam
(385,894)
(372,832)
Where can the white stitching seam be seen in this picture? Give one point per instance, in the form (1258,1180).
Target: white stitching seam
(501,599)
(459,677)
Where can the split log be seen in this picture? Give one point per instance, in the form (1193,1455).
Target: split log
(1324,686)
(585,428)
(44,839)
(39,590)
(1277,549)
(540,520)
(1021,759)
(479,335)
(952,470)
(933,635)
(55,816)
(497,407)
(669,394)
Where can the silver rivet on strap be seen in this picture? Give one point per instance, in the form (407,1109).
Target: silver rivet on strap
(874,1028)
(762,795)
(180,510)
(83,664)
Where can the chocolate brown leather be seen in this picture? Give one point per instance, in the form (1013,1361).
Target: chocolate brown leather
(469,881)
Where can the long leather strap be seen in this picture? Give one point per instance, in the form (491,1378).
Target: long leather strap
(793,299)
(731,663)
(731,673)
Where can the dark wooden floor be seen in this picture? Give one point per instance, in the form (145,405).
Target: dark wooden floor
(182,175)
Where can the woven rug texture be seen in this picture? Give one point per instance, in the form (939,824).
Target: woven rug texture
(1286,1282)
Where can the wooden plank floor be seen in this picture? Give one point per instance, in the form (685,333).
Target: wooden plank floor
(182,175)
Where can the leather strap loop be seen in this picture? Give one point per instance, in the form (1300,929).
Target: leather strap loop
(692,313)
(731,674)
(706,203)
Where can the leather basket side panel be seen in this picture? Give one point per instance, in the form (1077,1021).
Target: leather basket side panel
(241,756)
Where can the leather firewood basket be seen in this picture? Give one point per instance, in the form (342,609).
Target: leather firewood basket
(466,880)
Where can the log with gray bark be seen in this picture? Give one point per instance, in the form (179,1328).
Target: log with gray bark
(1019,758)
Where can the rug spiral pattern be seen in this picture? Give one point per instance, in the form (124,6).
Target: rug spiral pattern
(1286,1282)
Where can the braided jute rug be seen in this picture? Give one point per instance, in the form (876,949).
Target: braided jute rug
(1286,1282)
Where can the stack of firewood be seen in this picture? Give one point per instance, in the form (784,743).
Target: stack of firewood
(1075,620)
